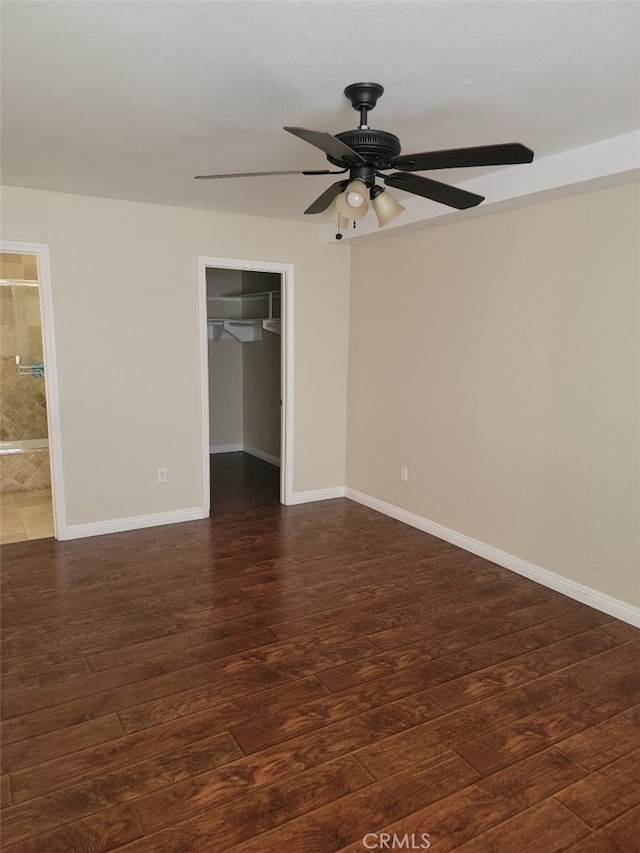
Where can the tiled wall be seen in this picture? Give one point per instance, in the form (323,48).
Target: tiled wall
(21,329)
(20,267)
(25,472)
(21,332)
(23,412)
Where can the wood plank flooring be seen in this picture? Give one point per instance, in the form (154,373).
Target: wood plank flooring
(306,679)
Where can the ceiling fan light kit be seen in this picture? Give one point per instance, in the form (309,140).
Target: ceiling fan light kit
(352,201)
(384,205)
(366,154)
(332,215)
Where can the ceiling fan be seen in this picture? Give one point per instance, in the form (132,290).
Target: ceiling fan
(366,154)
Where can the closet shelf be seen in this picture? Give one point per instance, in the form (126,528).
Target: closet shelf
(272,325)
(243,297)
(250,305)
(264,306)
(246,331)
(242,330)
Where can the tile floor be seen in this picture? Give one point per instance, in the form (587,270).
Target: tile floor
(25,515)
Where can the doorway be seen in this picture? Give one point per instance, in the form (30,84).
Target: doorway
(246,366)
(31,490)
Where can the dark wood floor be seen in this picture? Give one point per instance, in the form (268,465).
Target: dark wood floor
(303,680)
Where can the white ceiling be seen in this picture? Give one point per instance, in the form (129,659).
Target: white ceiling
(131,99)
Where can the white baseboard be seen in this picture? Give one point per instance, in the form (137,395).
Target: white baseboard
(246,448)
(318,495)
(260,454)
(572,589)
(119,525)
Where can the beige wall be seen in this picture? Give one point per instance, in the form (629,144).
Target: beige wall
(125,300)
(498,359)
(225,363)
(261,394)
(261,373)
(225,392)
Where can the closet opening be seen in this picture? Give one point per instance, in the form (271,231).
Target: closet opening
(248,377)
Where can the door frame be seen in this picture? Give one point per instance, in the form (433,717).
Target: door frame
(286,272)
(41,251)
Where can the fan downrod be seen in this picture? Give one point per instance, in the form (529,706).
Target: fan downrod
(363,97)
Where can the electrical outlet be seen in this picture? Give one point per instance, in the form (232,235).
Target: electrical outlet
(404,473)
(162,475)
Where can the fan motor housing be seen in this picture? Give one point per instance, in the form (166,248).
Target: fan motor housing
(376,146)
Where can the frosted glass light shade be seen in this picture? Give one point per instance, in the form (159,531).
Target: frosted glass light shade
(332,215)
(352,203)
(386,207)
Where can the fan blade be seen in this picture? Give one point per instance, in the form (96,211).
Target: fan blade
(261,174)
(481,155)
(323,201)
(327,143)
(444,193)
